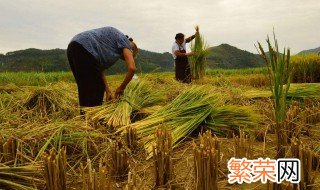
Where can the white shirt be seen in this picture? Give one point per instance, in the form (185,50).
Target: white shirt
(175,47)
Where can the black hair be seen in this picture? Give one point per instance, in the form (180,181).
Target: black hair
(179,36)
(130,39)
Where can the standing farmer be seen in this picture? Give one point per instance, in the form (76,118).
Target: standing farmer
(180,56)
(93,51)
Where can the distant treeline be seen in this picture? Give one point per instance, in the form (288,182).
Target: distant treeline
(56,60)
(222,56)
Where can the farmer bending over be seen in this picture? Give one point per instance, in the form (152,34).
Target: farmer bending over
(93,51)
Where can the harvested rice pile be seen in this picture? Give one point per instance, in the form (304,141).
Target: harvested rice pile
(80,138)
(193,108)
(136,97)
(56,101)
(10,88)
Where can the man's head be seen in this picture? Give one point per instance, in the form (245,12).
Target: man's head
(134,47)
(179,38)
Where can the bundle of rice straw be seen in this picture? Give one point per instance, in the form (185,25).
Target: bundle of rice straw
(79,138)
(136,96)
(229,119)
(185,114)
(198,60)
(53,100)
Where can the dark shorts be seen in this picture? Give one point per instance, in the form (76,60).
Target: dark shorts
(87,74)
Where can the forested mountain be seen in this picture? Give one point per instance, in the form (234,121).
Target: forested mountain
(222,56)
(227,56)
(311,51)
(56,60)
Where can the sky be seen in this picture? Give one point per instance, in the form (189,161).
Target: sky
(48,24)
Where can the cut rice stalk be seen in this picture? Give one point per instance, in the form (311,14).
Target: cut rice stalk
(162,158)
(26,177)
(56,169)
(206,162)
(92,179)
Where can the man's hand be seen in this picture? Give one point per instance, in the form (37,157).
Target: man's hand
(189,54)
(109,96)
(119,92)
(197,30)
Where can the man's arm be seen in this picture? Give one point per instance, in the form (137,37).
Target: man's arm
(106,87)
(128,57)
(190,38)
(193,36)
(105,81)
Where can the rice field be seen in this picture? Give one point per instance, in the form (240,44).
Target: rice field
(161,134)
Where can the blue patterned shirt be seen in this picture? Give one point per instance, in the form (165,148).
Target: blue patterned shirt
(105,44)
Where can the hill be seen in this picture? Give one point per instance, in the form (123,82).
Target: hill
(56,60)
(310,51)
(222,56)
(227,56)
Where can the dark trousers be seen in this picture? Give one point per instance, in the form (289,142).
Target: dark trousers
(87,74)
(183,71)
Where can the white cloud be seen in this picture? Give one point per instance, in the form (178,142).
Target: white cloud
(153,24)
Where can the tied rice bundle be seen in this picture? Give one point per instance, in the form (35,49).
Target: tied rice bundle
(186,113)
(230,118)
(136,96)
(198,60)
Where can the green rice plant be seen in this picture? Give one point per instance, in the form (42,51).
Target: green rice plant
(239,72)
(200,51)
(55,167)
(206,162)
(280,71)
(136,96)
(27,177)
(34,78)
(306,68)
